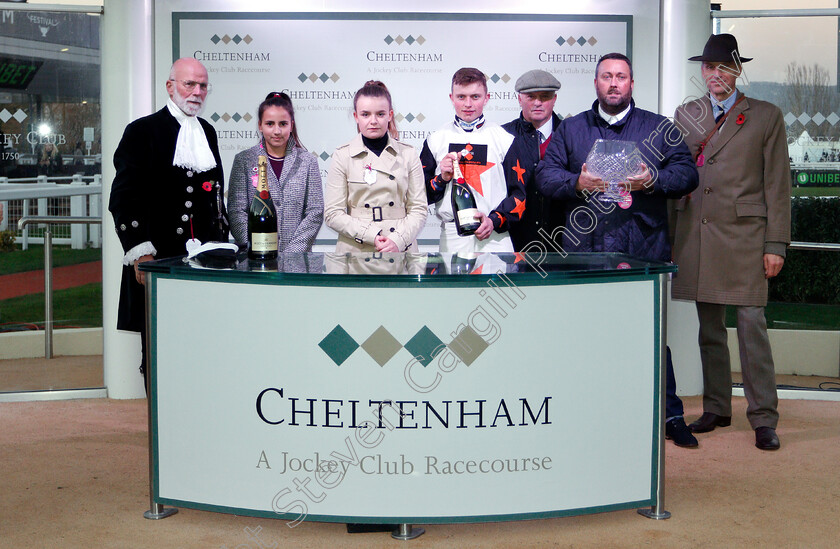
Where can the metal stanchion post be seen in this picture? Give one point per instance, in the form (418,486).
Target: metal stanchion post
(156,510)
(48,301)
(658,511)
(23,225)
(407,532)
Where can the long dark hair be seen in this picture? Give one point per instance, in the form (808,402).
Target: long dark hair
(375,88)
(282,100)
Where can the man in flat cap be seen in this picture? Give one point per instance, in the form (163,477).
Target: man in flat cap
(537,93)
(731,235)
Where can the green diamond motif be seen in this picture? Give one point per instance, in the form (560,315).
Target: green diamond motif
(423,346)
(215,117)
(389,40)
(324,156)
(215,39)
(581,40)
(495,78)
(323,77)
(381,346)
(236,117)
(338,345)
(237,39)
(410,40)
(409,117)
(302,77)
(560,41)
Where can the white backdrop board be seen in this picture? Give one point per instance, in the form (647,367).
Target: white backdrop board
(321,58)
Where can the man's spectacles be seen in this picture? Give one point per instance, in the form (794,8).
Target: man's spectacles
(190,85)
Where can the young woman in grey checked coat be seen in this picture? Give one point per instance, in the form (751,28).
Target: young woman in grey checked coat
(294,180)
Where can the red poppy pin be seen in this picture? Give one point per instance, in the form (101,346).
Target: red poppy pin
(741,119)
(207,186)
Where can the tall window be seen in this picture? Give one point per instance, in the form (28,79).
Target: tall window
(795,66)
(50,165)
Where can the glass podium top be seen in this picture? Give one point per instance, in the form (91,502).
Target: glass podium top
(425,268)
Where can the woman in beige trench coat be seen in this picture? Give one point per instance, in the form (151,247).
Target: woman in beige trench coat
(375,197)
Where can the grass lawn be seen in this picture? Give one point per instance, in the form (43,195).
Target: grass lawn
(32,259)
(79,307)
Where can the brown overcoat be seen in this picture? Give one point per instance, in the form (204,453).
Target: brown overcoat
(740,210)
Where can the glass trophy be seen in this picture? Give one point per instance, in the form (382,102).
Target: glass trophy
(614,162)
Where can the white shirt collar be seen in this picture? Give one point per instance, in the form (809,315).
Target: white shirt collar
(613,118)
(546,129)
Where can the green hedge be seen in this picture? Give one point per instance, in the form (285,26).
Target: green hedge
(811,277)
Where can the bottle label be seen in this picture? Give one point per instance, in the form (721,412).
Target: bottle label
(264,242)
(468,216)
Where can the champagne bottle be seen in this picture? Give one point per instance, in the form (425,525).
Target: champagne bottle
(262,218)
(463,204)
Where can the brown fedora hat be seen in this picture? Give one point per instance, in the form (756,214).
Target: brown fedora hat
(720,48)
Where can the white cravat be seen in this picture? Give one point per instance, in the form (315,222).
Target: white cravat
(192,152)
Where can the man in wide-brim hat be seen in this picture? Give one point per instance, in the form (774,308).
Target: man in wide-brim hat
(731,235)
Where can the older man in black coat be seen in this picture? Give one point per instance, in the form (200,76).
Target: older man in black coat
(168,192)
(537,94)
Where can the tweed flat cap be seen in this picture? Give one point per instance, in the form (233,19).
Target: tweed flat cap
(536,81)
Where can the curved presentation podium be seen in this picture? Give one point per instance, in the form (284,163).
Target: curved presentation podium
(398,388)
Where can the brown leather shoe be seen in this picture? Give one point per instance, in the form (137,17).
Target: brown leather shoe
(708,421)
(766,439)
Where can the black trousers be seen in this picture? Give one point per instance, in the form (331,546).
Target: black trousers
(143,357)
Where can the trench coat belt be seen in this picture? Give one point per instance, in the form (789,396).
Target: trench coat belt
(378,213)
